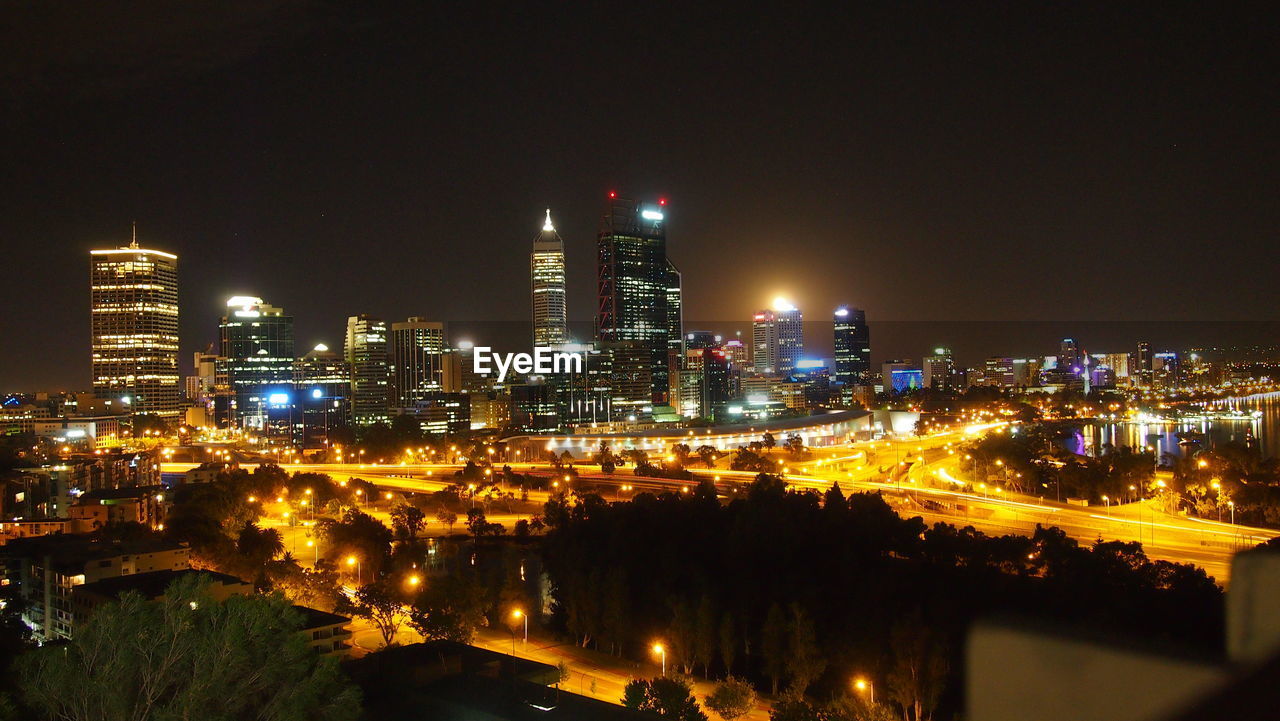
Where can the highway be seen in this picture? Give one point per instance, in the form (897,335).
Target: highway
(933,489)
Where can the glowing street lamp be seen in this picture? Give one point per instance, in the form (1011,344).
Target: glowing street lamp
(661,650)
(353,561)
(521,615)
(865,686)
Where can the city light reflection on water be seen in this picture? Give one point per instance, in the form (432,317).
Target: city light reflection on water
(1264,430)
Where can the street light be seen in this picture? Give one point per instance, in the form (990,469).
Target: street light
(353,561)
(518,614)
(659,649)
(863,685)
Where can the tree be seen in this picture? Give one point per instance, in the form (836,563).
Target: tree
(187,656)
(731,699)
(450,608)
(768,441)
(382,605)
(804,659)
(259,545)
(728,643)
(704,635)
(773,646)
(664,697)
(605,458)
(407,521)
(795,445)
(919,669)
(708,455)
(447,518)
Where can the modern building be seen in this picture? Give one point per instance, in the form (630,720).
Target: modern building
(257,356)
(417,361)
(635,282)
(366,351)
(46,569)
(852,346)
(550,310)
(706,383)
(585,395)
(675,312)
(1070,357)
(999,371)
(901,376)
(1143,365)
(777,338)
(939,370)
(133,301)
(322,383)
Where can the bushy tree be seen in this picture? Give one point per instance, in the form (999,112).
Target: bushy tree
(665,697)
(187,656)
(731,699)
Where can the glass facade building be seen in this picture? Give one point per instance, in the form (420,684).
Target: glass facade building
(133,300)
(256,351)
(550,312)
(637,286)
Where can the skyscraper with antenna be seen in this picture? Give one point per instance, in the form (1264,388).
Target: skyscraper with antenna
(550,311)
(133,303)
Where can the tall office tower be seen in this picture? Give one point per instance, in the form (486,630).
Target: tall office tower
(1069,356)
(764,342)
(1143,368)
(736,350)
(675,312)
(257,356)
(852,346)
(365,351)
(706,383)
(322,382)
(584,395)
(417,361)
(778,338)
(939,371)
(133,302)
(633,278)
(550,313)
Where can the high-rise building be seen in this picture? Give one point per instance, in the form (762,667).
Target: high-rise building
(852,346)
(675,312)
(900,376)
(999,371)
(365,351)
(764,342)
(550,312)
(634,282)
(939,370)
(417,361)
(778,338)
(256,352)
(706,384)
(322,386)
(133,300)
(1143,366)
(1069,356)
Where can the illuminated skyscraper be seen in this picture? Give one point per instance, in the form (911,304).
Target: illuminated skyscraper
(366,351)
(133,298)
(417,361)
(939,370)
(256,353)
(638,287)
(550,314)
(322,390)
(778,338)
(852,346)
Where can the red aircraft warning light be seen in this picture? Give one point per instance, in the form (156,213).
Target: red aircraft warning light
(613,194)
(662,201)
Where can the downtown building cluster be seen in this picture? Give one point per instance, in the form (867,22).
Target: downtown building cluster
(642,367)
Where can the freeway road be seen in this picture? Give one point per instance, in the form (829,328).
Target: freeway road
(933,489)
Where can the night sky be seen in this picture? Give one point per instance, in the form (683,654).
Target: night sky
(985,164)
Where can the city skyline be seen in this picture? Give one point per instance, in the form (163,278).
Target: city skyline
(1110,187)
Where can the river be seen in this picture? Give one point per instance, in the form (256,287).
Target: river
(1265,430)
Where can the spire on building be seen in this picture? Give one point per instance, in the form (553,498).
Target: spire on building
(547,226)
(134,243)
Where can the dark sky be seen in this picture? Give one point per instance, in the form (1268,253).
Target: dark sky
(982,163)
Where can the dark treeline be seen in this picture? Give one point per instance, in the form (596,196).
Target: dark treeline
(802,591)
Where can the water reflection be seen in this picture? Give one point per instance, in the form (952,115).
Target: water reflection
(1164,437)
